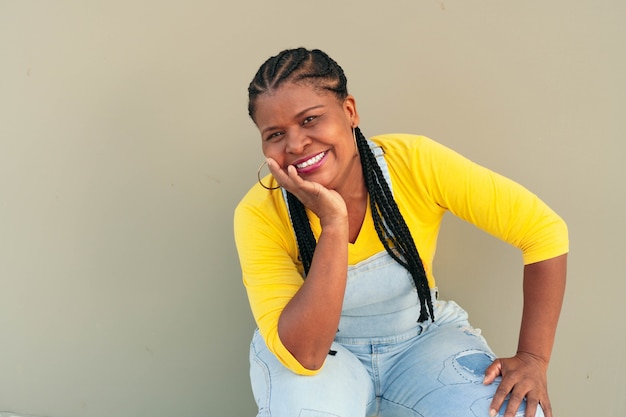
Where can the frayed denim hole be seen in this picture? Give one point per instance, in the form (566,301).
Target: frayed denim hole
(475,363)
(465,367)
(471,331)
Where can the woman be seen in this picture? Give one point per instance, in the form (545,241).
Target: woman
(336,249)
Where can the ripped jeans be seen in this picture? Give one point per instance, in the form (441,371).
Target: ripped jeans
(387,364)
(436,370)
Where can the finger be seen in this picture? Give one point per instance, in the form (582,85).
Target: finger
(301,187)
(306,191)
(287,178)
(515,400)
(492,372)
(496,403)
(531,406)
(276,170)
(533,402)
(292,172)
(501,394)
(546,406)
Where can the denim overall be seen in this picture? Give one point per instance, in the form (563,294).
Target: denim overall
(386,363)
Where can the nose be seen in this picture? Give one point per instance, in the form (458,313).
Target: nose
(297,142)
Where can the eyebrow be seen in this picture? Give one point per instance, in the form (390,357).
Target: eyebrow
(298,115)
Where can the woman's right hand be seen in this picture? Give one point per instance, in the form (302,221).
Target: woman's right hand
(327,204)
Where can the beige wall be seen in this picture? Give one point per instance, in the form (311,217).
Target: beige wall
(125,145)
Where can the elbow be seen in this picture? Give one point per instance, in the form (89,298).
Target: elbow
(312,363)
(308,351)
(310,359)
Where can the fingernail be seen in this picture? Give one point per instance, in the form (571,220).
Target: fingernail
(492,413)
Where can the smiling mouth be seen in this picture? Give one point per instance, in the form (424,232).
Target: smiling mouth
(311,161)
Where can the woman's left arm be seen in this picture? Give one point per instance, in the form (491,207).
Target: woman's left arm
(524,375)
(508,211)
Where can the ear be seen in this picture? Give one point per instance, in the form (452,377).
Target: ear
(349,106)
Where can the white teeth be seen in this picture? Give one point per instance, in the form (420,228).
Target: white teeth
(311,161)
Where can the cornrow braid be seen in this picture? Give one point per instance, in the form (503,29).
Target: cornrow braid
(298,65)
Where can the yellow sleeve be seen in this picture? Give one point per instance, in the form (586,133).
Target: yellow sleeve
(270,268)
(490,201)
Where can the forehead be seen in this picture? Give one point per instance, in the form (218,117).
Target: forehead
(290,99)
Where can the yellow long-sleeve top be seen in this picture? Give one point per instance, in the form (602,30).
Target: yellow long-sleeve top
(427,180)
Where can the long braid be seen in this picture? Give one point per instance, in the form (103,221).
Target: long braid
(322,72)
(391,227)
(302,229)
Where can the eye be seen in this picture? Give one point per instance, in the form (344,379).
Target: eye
(274,135)
(309,119)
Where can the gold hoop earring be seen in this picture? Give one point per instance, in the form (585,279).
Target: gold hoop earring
(356,146)
(258,175)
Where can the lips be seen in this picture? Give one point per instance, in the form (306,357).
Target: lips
(310,164)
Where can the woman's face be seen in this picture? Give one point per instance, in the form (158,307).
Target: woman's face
(312,130)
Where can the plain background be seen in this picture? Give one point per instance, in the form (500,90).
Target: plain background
(125,146)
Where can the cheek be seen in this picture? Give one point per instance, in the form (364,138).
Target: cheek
(346,143)
(266,147)
(274,151)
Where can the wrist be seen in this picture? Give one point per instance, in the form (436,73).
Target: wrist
(336,221)
(526,356)
(335,226)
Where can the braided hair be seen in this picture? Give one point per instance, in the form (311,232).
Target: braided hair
(298,66)
(322,72)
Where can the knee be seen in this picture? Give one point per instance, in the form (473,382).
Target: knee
(343,388)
